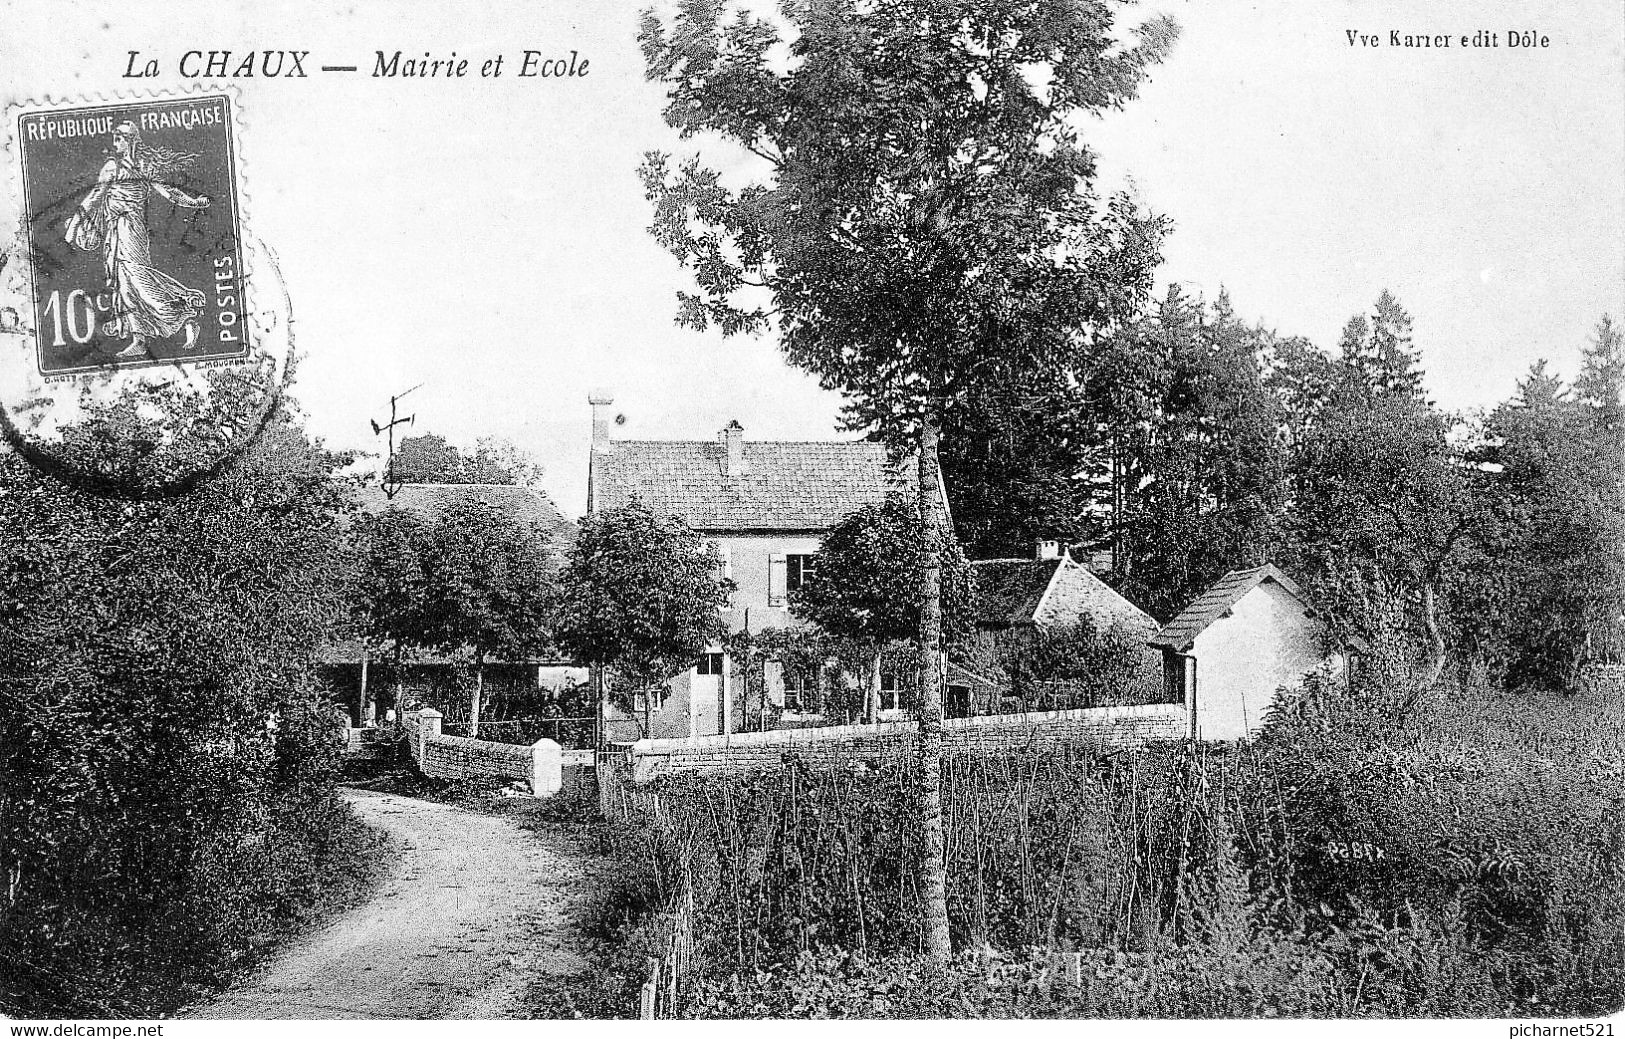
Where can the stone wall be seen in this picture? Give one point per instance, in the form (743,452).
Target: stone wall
(539,765)
(756,751)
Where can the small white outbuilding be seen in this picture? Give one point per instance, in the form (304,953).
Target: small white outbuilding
(1251,634)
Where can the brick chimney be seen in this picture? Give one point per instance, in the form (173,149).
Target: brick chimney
(601,400)
(1043,549)
(733,443)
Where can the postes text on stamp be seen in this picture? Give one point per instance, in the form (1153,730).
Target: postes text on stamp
(131,215)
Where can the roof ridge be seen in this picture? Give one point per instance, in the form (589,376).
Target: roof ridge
(515,486)
(1201,612)
(751,443)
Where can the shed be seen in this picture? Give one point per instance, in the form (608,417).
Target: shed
(1227,655)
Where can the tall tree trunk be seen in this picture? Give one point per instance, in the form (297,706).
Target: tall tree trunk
(474,701)
(933,874)
(400,684)
(871,707)
(361,707)
(1433,659)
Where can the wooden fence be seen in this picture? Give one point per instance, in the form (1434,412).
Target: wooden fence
(658,999)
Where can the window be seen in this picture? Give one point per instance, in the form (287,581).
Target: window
(888,691)
(709,664)
(799,571)
(801,692)
(725,570)
(786,573)
(652,699)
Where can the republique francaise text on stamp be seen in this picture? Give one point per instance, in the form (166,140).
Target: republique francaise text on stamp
(131,216)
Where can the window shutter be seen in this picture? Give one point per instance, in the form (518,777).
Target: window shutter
(776,579)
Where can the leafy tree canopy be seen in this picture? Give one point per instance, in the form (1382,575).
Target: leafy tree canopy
(868,585)
(430,458)
(928,210)
(639,594)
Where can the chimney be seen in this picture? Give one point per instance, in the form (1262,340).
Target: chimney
(1047,549)
(600,401)
(733,442)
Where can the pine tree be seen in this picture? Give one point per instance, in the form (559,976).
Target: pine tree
(1379,356)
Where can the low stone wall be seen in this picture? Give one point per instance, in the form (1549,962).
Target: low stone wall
(538,765)
(457,757)
(754,751)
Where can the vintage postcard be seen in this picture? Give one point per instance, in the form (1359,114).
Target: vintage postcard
(1096,514)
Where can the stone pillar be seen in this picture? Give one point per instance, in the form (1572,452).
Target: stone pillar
(428,727)
(546,768)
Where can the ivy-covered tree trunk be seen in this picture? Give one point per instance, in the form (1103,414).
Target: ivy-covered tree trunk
(933,873)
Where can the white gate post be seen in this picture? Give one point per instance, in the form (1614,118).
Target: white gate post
(546,768)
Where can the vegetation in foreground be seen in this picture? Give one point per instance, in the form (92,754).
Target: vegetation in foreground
(167,799)
(1463,858)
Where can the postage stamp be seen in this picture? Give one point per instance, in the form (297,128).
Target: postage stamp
(132,221)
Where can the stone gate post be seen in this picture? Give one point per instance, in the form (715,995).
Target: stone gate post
(546,768)
(428,727)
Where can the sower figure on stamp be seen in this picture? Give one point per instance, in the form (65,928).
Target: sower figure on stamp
(147,303)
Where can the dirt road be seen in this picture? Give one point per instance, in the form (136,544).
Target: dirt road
(475,910)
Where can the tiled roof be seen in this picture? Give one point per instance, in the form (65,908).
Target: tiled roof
(785,485)
(1008,590)
(430,500)
(1217,600)
(1105,604)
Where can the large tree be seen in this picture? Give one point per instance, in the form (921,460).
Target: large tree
(640,595)
(924,215)
(1558,502)
(868,588)
(387,591)
(1206,474)
(431,458)
(470,582)
(487,588)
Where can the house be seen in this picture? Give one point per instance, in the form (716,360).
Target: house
(1051,590)
(765,506)
(347,663)
(1250,635)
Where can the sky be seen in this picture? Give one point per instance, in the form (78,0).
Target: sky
(485,239)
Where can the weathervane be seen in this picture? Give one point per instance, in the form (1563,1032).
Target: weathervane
(391,484)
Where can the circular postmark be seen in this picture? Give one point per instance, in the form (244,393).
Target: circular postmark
(145,340)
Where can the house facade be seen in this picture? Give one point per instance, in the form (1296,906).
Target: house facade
(1228,654)
(765,506)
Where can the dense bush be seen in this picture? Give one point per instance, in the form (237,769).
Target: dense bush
(166,771)
(1077,665)
(1462,857)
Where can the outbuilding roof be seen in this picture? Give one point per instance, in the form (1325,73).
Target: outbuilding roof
(431,500)
(1214,603)
(1014,591)
(1008,591)
(781,486)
